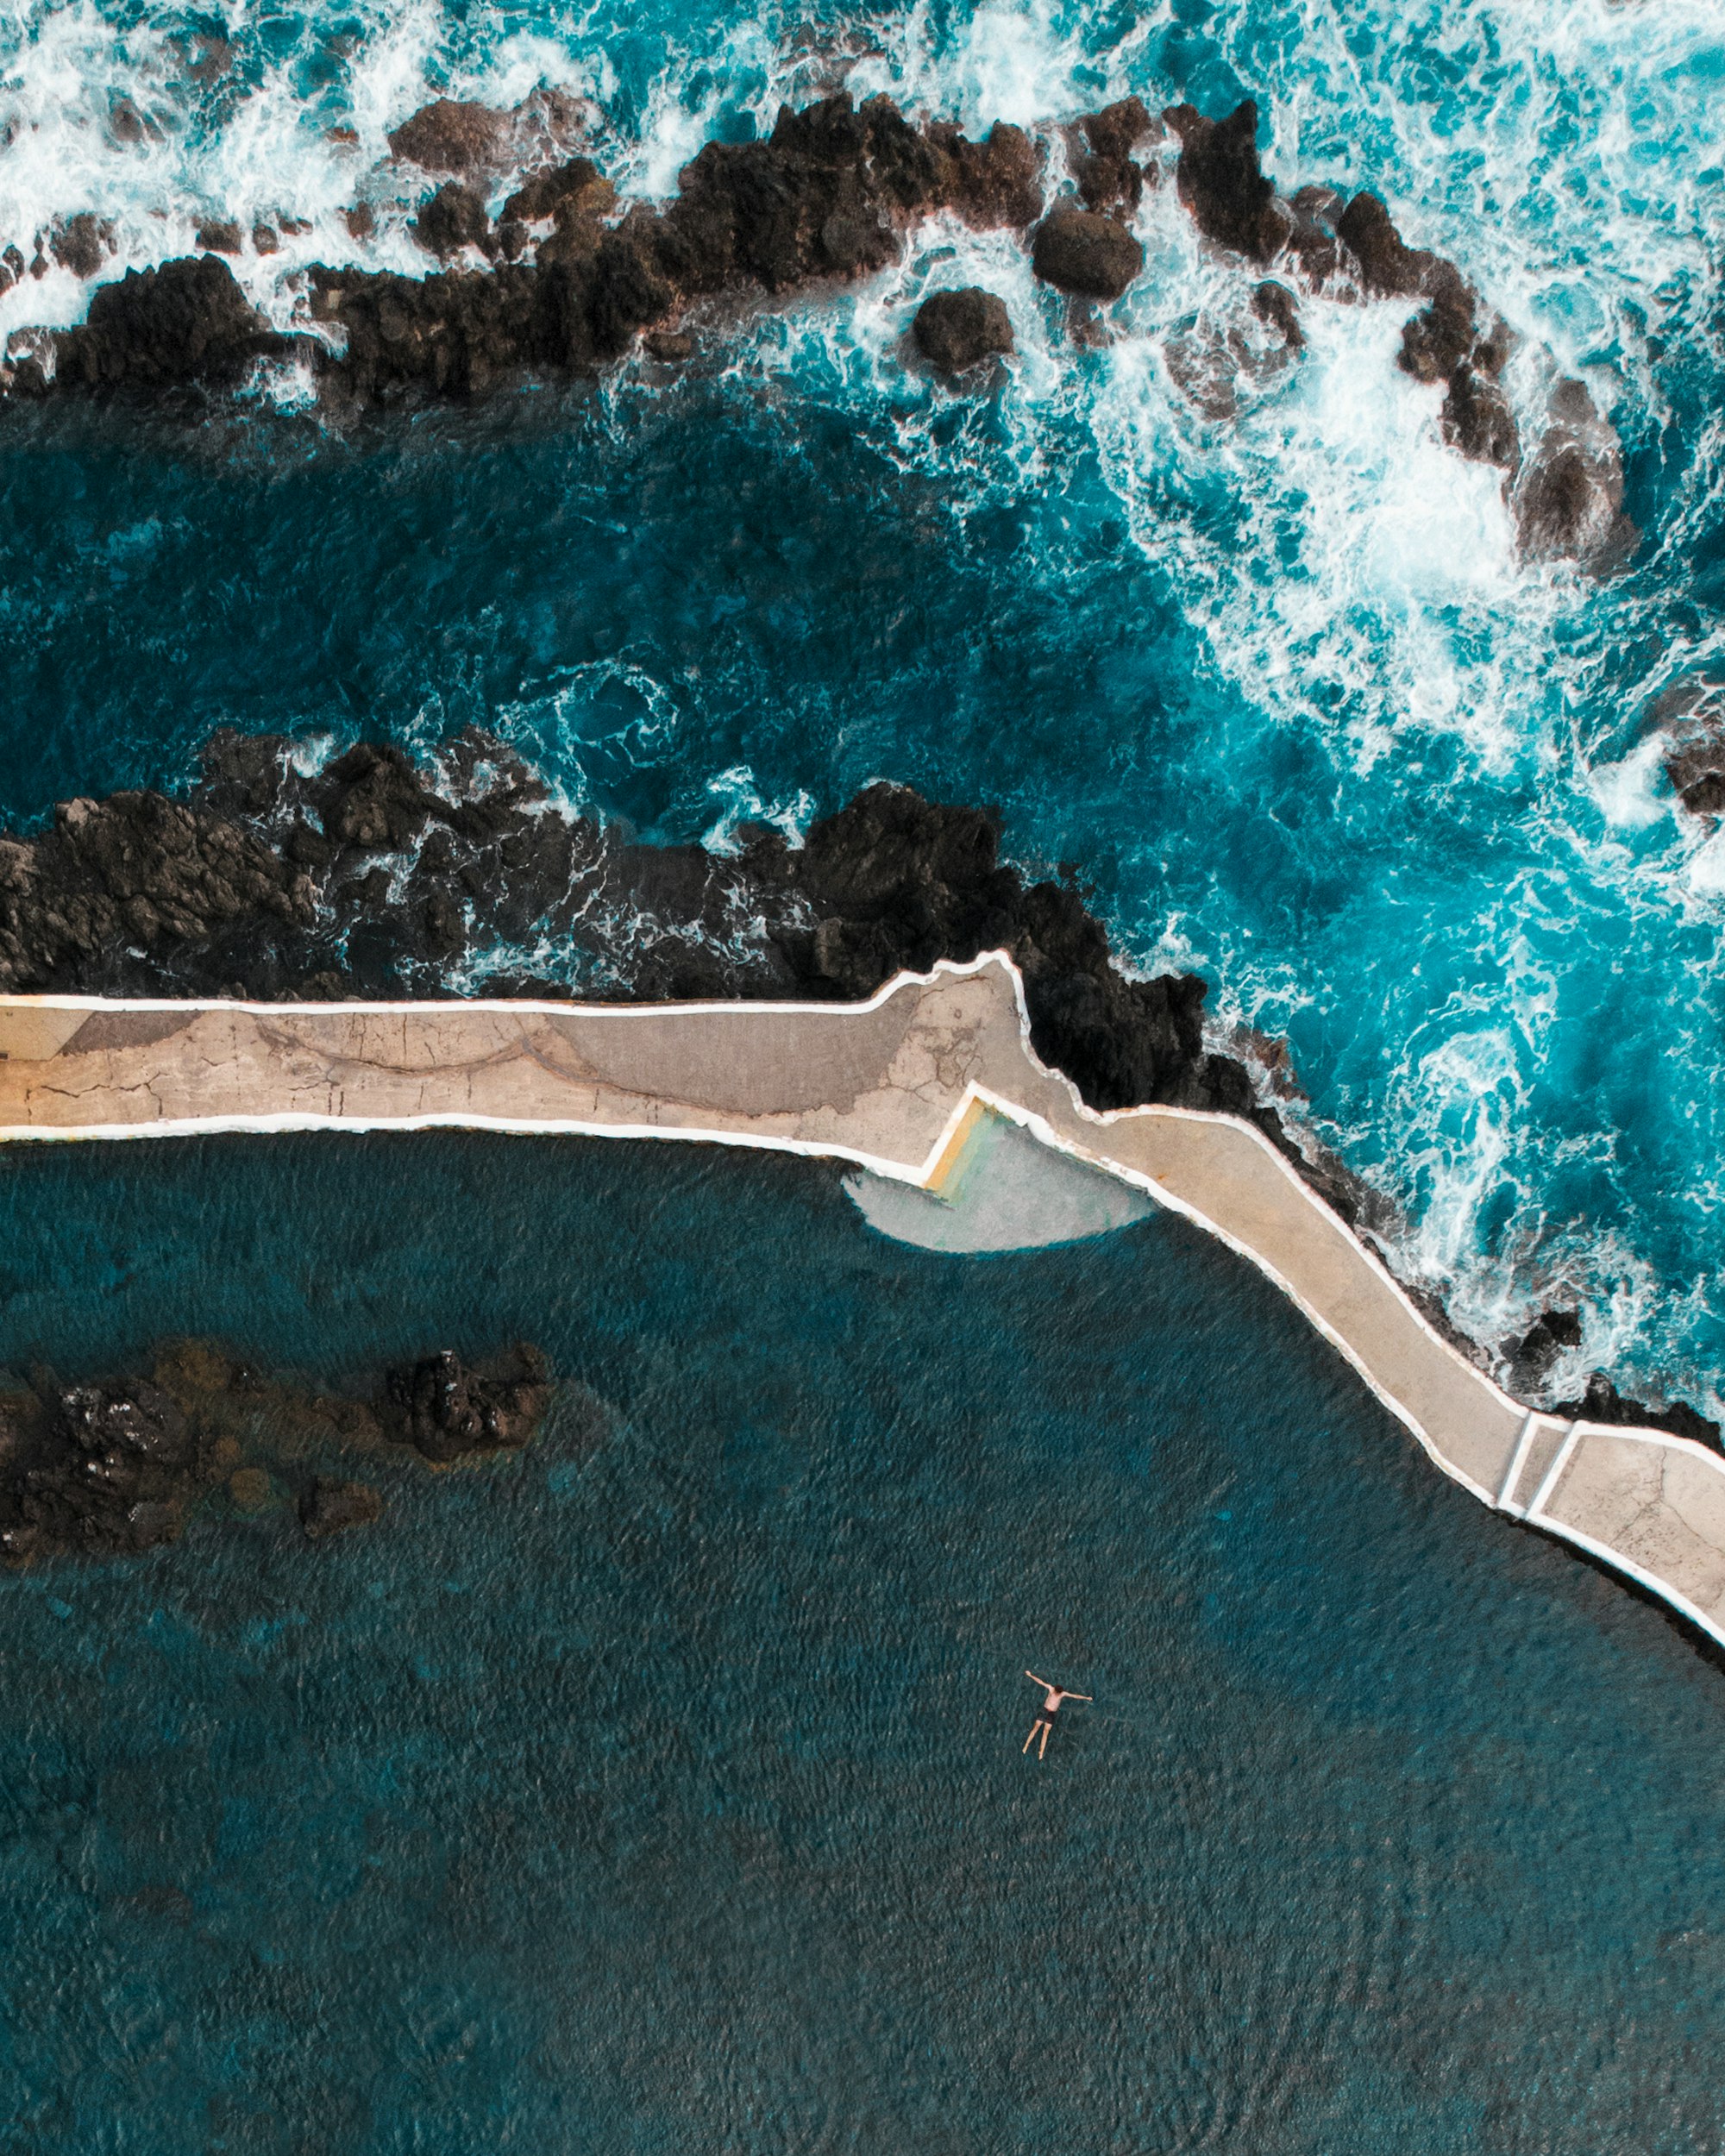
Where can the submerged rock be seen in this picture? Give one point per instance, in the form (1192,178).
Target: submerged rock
(118,1467)
(956,330)
(331,1508)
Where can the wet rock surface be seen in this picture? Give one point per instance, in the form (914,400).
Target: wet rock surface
(330,1506)
(1694,762)
(1222,185)
(449,136)
(1086,253)
(115,1468)
(957,330)
(1101,145)
(446,1410)
(828,195)
(186,321)
(567,280)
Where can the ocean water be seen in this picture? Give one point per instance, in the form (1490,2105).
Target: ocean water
(668,1794)
(1277,680)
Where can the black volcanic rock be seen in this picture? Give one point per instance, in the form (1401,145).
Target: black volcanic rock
(830,194)
(1221,183)
(1387,267)
(1081,252)
(1552,1334)
(455,333)
(119,1466)
(958,330)
(447,1409)
(1695,763)
(1569,503)
(454,218)
(274,881)
(450,136)
(135,872)
(186,321)
(81,244)
(1107,175)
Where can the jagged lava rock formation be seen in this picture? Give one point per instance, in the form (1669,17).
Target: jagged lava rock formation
(567,280)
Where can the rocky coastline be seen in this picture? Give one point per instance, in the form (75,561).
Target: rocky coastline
(123,1465)
(566,279)
(277,878)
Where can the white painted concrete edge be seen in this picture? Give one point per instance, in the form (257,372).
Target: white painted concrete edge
(1501,1500)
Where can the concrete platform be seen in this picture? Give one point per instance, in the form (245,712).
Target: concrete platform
(895,1085)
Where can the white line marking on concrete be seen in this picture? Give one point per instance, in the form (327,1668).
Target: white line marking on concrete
(1547,1490)
(1511,1474)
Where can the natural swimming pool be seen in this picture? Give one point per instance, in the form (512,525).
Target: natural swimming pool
(668,1794)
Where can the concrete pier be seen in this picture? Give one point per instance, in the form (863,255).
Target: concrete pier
(895,1085)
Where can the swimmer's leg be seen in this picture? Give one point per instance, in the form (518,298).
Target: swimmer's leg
(1030,1739)
(1043,1751)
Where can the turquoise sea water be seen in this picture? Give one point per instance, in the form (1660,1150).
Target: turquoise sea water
(669,1797)
(1278,680)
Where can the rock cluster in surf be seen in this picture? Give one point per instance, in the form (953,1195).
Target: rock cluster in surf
(567,280)
(122,1465)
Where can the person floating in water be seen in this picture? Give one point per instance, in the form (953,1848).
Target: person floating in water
(1050,1707)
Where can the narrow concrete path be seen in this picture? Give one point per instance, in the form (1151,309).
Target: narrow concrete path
(893,1084)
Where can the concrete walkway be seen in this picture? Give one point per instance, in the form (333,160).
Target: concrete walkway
(894,1084)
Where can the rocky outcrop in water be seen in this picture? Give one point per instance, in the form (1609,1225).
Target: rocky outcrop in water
(1603,1402)
(957,330)
(447,1411)
(1101,147)
(117,1467)
(1083,252)
(1567,490)
(186,321)
(1694,762)
(567,281)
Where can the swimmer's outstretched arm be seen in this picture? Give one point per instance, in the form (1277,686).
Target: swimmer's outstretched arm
(1042,1681)
(1075,1695)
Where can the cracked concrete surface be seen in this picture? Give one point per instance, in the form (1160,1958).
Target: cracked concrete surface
(887,1084)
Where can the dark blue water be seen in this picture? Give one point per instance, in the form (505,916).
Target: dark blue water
(669,1797)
